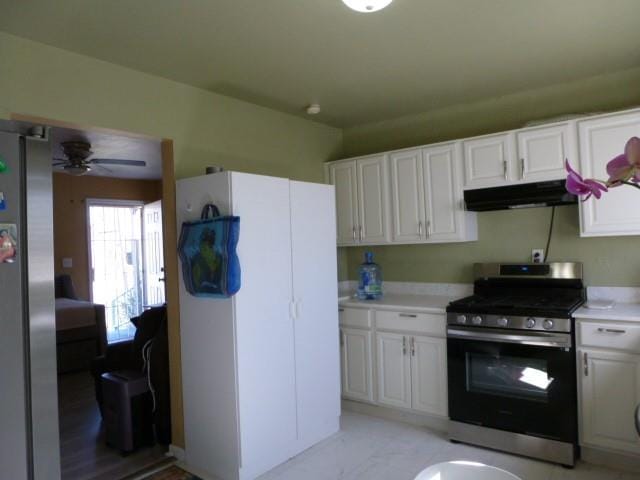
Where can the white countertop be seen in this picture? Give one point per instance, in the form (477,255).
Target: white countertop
(627,312)
(426,303)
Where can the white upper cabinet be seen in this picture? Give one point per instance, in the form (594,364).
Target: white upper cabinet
(407,196)
(343,177)
(416,195)
(527,155)
(488,160)
(542,152)
(442,194)
(362,198)
(600,140)
(426,194)
(372,199)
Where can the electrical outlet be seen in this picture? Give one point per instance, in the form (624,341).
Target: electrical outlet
(537,255)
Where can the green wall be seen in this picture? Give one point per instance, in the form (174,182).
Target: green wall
(509,236)
(207,129)
(212,129)
(503,235)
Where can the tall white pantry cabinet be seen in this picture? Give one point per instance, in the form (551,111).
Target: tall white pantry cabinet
(260,370)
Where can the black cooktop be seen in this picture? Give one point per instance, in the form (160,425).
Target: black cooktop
(521,305)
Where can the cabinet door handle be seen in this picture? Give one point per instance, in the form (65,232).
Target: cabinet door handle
(504,169)
(585,362)
(413,346)
(354,233)
(404,345)
(611,330)
(420,228)
(341,310)
(360,232)
(408,315)
(341,338)
(428,228)
(522,168)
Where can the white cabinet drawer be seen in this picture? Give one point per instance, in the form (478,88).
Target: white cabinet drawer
(354,317)
(428,323)
(618,336)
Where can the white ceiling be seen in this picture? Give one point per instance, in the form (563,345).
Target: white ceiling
(414,56)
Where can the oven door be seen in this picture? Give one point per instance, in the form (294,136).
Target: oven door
(523,382)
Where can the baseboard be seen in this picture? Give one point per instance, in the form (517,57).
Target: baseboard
(420,420)
(176,452)
(608,458)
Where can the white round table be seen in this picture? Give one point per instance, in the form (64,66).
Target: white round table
(462,470)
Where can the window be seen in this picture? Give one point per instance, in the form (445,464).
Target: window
(524,378)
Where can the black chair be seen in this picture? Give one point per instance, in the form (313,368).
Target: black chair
(150,340)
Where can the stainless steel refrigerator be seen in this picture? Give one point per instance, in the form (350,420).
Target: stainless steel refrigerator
(29,442)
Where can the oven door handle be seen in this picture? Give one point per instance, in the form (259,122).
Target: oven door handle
(540,339)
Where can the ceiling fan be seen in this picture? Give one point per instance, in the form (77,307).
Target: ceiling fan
(77,161)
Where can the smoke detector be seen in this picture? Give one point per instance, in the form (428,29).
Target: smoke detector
(366,6)
(313,109)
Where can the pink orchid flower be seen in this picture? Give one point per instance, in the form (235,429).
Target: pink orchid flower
(582,187)
(625,167)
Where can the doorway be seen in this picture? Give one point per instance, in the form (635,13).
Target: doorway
(126,261)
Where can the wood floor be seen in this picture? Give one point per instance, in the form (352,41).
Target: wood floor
(84,455)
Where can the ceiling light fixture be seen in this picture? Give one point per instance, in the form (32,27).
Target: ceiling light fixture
(366,6)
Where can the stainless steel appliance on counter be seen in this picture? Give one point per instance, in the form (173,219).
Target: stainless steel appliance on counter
(512,361)
(29,396)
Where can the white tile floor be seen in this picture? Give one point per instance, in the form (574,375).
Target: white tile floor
(370,448)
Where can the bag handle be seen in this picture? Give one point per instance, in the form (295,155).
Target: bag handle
(209,208)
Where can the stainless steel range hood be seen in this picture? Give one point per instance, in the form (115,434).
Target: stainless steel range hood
(526,195)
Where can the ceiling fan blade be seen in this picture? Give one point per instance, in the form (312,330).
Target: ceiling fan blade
(57,164)
(100,167)
(114,161)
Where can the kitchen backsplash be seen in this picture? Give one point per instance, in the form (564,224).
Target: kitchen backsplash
(617,294)
(414,288)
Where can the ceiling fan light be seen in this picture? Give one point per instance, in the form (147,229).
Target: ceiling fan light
(366,6)
(76,170)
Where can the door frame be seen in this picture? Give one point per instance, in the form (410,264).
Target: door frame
(170,239)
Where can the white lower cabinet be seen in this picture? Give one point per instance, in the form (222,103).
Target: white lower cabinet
(394,370)
(404,363)
(357,377)
(610,393)
(429,375)
(412,372)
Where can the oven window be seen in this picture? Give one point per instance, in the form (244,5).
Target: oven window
(523,378)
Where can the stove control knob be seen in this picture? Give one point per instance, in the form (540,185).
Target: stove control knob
(547,324)
(461,319)
(502,321)
(531,322)
(477,320)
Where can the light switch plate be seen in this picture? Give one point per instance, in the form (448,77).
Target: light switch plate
(67,262)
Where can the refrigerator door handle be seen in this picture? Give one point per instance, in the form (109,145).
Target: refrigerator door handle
(296,308)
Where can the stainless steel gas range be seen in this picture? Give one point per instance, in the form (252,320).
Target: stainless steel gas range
(512,362)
